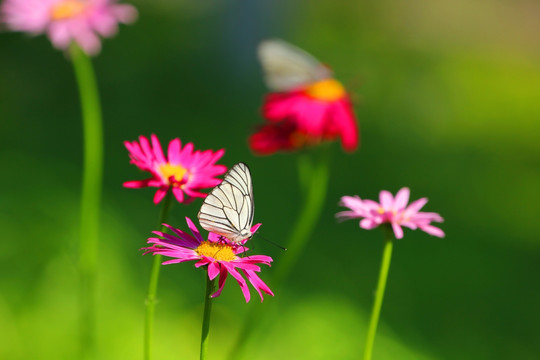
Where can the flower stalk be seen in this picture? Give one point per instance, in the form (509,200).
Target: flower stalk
(91,194)
(313,177)
(210,288)
(379,295)
(151,298)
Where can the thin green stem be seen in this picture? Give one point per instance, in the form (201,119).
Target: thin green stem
(313,177)
(210,286)
(91,195)
(383,275)
(151,298)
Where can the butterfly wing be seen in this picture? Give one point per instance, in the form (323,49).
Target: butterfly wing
(286,66)
(228,209)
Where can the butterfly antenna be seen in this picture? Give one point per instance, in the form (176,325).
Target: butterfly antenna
(273,243)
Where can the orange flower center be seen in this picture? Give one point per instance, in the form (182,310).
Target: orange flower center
(220,252)
(67,9)
(326,90)
(173,174)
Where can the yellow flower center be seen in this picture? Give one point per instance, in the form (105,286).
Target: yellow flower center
(67,9)
(173,174)
(220,252)
(326,90)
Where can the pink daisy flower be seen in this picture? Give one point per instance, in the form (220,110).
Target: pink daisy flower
(321,111)
(391,210)
(184,171)
(67,21)
(217,253)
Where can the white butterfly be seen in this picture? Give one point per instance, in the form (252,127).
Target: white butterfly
(287,66)
(228,209)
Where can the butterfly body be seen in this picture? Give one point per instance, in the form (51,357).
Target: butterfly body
(228,209)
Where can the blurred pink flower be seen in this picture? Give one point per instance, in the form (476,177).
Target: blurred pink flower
(184,170)
(65,21)
(218,253)
(393,211)
(321,111)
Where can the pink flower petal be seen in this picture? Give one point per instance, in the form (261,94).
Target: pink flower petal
(160,194)
(239,279)
(221,283)
(345,121)
(432,230)
(415,206)
(213,270)
(402,198)
(398,231)
(386,199)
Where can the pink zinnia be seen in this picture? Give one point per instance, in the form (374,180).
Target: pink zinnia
(217,253)
(67,21)
(321,111)
(393,211)
(184,171)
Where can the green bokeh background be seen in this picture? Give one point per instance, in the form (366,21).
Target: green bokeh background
(447,96)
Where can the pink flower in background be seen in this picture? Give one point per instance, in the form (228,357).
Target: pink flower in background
(184,171)
(321,110)
(392,210)
(66,21)
(306,95)
(217,253)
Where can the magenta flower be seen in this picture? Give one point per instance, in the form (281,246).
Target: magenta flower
(321,110)
(393,211)
(217,253)
(67,21)
(184,171)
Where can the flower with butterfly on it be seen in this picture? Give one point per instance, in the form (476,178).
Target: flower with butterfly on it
(184,170)
(306,104)
(217,253)
(67,21)
(391,210)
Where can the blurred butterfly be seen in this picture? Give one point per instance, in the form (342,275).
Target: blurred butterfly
(286,66)
(228,209)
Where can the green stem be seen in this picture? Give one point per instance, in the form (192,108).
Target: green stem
(383,275)
(151,298)
(313,183)
(313,178)
(210,286)
(91,195)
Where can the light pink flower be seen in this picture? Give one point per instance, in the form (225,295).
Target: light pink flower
(66,21)
(184,171)
(393,211)
(217,253)
(321,111)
